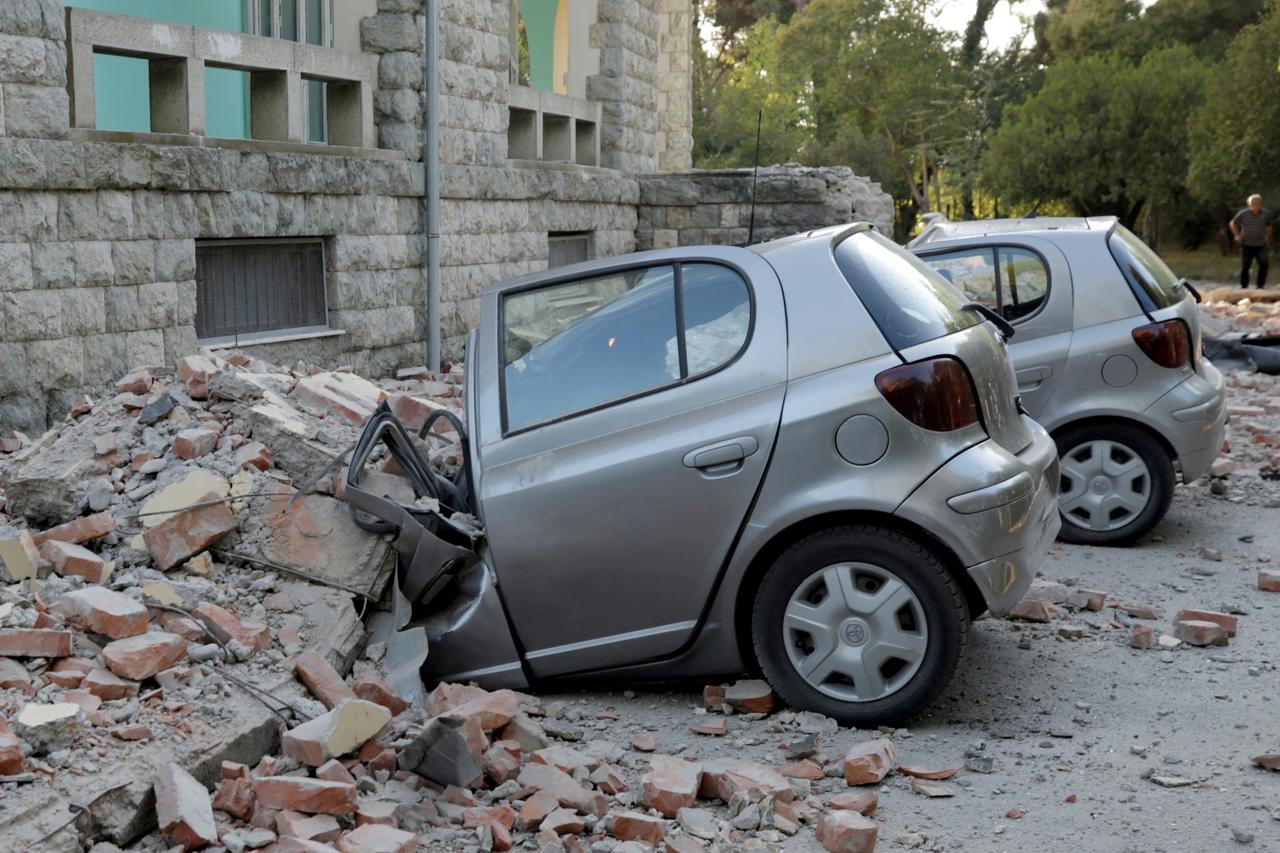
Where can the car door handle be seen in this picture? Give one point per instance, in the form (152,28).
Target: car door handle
(1033,377)
(721,453)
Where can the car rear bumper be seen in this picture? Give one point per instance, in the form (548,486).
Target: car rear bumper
(1194,419)
(997,511)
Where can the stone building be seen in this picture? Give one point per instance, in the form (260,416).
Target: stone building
(251,173)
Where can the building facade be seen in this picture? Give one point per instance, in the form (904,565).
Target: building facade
(250,173)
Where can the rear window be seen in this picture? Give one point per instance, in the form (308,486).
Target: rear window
(910,302)
(1152,281)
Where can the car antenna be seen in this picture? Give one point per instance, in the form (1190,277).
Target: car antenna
(755,176)
(1031,214)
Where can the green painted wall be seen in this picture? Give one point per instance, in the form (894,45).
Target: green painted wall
(540,24)
(122,89)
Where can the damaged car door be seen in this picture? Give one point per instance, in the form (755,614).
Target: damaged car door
(626,413)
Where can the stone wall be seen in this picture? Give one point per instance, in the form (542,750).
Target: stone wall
(98,236)
(675,91)
(700,206)
(627,34)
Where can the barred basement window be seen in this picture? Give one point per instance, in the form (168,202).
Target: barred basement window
(568,248)
(259,288)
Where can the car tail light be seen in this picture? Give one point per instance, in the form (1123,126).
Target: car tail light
(936,394)
(1168,344)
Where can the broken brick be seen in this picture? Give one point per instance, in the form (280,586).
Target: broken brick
(253,455)
(1269,580)
(750,697)
(104,611)
(925,773)
(714,728)
(1270,761)
(375,690)
(11,761)
(846,831)
(500,765)
(608,778)
(71,559)
(320,827)
(143,656)
(635,826)
(333,770)
(1029,610)
(194,443)
(195,372)
(321,679)
(493,710)
(226,626)
(299,794)
(563,822)
(34,643)
(862,802)
(670,784)
(235,797)
(713,697)
(189,532)
(1142,637)
(340,731)
(802,769)
(376,838)
(81,530)
(567,791)
(183,809)
(931,789)
(1198,632)
(107,686)
(1087,599)
(382,812)
(14,676)
(1228,622)
(869,762)
(1138,611)
(137,382)
(724,777)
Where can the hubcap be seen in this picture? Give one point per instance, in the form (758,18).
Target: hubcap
(855,632)
(1105,485)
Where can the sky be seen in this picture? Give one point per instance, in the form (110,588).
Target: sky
(1005,24)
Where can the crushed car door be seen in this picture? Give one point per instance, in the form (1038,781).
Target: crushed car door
(627,413)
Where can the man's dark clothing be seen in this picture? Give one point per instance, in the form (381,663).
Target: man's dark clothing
(1253,243)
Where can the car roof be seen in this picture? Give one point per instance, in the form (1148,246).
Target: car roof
(943,229)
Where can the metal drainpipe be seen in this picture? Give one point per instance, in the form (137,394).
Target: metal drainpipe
(431,161)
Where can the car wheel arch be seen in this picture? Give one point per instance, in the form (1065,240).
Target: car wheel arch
(783,539)
(1104,420)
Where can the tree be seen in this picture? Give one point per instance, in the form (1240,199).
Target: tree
(1234,133)
(880,68)
(1103,135)
(1077,28)
(1207,26)
(733,17)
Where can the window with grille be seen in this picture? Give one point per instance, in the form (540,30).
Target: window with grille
(259,288)
(565,249)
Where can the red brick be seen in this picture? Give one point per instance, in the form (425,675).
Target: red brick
(492,710)
(803,769)
(34,643)
(383,813)
(194,443)
(14,676)
(1269,580)
(140,734)
(183,810)
(1142,637)
(69,559)
(635,826)
(226,626)
(11,761)
(925,773)
(375,690)
(446,696)
(82,405)
(724,777)
(321,679)
(500,765)
(1139,611)
(846,831)
(195,373)
(413,412)
(608,778)
(643,742)
(1030,610)
(750,697)
(1270,761)
(253,455)
(563,822)
(107,686)
(235,797)
(334,771)
(187,629)
(188,533)
(862,802)
(143,656)
(311,796)
(713,728)
(338,732)
(670,784)
(1228,622)
(103,611)
(233,770)
(567,791)
(1197,632)
(79,531)
(322,828)
(535,808)
(868,763)
(713,697)
(137,382)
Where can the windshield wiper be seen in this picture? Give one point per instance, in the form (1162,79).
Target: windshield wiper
(1189,286)
(1005,327)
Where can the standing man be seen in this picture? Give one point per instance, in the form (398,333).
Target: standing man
(1252,229)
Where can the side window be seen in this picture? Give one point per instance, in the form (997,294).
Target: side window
(717,316)
(972,271)
(1024,282)
(577,345)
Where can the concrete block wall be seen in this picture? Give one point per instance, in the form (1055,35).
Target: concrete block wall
(714,206)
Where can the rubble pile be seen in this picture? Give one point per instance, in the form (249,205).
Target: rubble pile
(174,558)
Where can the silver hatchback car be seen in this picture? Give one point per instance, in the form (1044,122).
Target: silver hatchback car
(1107,355)
(803,458)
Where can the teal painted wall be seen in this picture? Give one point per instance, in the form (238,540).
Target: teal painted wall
(540,24)
(122,89)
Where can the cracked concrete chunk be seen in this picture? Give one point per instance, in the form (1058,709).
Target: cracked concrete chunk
(47,728)
(183,809)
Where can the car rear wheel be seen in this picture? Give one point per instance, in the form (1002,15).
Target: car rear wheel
(863,624)
(1117,483)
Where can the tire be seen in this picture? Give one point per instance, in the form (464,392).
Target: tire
(933,619)
(1091,516)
